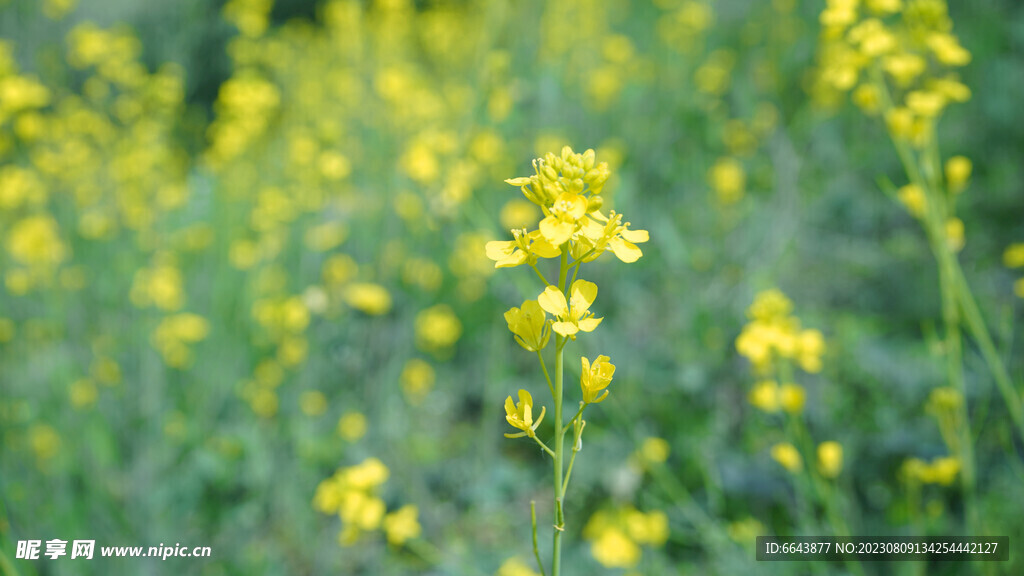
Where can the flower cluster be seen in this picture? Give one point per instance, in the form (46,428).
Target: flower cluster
(567,188)
(351,493)
(616,536)
(896,56)
(773,335)
(942,470)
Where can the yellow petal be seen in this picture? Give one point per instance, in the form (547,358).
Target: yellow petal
(499,249)
(555,231)
(513,260)
(553,302)
(541,247)
(624,250)
(589,324)
(583,295)
(565,328)
(635,235)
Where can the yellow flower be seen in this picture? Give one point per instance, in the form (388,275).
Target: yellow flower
(792,398)
(521,415)
(352,426)
(904,67)
(654,450)
(604,232)
(765,396)
(417,379)
(811,346)
(944,470)
(560,223)
(913,199)
(402,525)
(948,49)
(728,180)
(1013,257)
(525,247)
(596,378)
(830,459)
(529,325)
(958,172)
(613,549)
(367,474)
(925,103)
(787,455)
(35,240)
(573,316)
(369,298)
(437,328)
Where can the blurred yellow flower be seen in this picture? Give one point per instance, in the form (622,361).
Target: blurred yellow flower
(830,459)
(437,328)
(1013,257)
(352,426)
(402,525)
(368,298)
(654,450)
(83,393)
(160,286)
(765,396)
(787,456)
(913,199)
(728,180)
(614,549)
(35,240)
(417,380)
(792,398)
(44,441)
(958,172)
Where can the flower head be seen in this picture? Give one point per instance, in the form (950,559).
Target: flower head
(521,415)
(595,378)
(602,233)
(529,325)
(525,247)
(573,315)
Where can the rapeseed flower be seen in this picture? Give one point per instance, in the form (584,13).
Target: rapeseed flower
(520,415)
(596,377)
(574,315)
(529,326)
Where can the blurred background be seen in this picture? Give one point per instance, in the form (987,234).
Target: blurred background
(243,252)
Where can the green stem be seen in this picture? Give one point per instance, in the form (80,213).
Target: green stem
(539,275)
(533,523)
(544,446)
(556,553)
(979,331)
(578,412)
(544,367)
